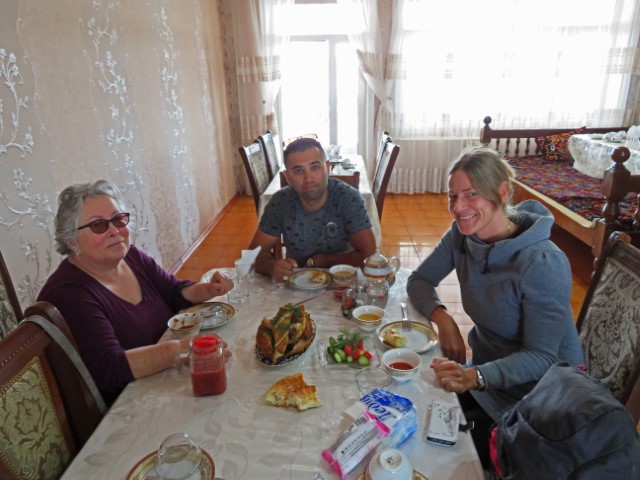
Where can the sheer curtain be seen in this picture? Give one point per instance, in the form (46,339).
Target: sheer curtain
(258,48)
(370,40)
(526,63)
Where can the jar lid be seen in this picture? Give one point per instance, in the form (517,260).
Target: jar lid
(206,342)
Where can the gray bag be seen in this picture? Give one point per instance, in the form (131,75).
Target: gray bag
(568,427)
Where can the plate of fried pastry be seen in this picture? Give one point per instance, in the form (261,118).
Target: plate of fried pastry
(286,336)
(310,279)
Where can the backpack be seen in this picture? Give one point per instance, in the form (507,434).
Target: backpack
(568,427)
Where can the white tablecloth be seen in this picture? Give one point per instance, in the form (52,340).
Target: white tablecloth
(592,157)
(250,440)
(364,189)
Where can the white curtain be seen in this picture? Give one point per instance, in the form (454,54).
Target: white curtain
(526,63)
(371,44)
(258,50)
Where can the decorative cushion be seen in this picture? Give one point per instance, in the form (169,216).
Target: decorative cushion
(610,333)
(554,147)
(32,444)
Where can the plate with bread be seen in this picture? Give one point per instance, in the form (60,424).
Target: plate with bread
(420,338)
(286,336)
(310,279)
(292,391)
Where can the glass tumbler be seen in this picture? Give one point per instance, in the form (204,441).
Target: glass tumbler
(178,457)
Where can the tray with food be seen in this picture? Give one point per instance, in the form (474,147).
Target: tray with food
(350,349)
(286,336)
(310,279)
(420,338)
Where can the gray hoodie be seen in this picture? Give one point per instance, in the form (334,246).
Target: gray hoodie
(517,292)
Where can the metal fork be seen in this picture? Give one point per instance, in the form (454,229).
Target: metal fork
(406,323)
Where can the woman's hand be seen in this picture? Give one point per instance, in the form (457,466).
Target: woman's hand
(452,376)
(283,267)
(220,284)
(451,341)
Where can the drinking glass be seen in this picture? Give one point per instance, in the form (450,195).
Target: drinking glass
(178,457)
(372,377)
(242,282)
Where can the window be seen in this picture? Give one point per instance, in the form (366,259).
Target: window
(320,78)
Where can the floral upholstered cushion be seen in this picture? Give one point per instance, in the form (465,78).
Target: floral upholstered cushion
(610,332)
(8,320)
(31,441)
(554,147)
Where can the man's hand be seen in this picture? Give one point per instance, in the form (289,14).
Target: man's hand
(283,268)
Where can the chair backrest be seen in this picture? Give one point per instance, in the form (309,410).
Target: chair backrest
(609,322)
(255,163)
(36,439)
(81,405)
(272,151)
(384,139)
(383,174)
(10,309)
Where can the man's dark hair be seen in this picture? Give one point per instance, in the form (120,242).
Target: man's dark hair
(302,144)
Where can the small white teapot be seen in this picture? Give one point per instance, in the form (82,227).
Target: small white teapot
(389,464)
(378,268)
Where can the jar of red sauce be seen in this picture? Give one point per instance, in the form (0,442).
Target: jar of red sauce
(206,357)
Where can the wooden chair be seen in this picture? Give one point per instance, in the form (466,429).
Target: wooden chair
(383,174)
(272,151)
(81,404)
(255,163)
(384,139)
(609,322)
(38,434)
(10,309)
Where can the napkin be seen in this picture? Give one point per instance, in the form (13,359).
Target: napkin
(247,259)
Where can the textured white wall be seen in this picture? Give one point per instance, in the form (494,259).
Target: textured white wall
(121,90)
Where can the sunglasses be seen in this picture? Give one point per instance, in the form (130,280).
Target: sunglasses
(100,226)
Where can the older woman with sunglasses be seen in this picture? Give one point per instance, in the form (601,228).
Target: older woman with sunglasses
(116,299)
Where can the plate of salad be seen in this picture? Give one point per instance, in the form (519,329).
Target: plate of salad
(350,349)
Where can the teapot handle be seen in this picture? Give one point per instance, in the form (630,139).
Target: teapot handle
(395,264)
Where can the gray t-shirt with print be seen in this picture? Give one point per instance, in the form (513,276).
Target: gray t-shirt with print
(324,231)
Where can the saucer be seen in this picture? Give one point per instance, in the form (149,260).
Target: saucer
(147,466)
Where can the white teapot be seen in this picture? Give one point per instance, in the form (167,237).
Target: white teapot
(378,268)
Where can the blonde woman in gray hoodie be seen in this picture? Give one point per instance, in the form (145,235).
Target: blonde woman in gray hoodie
(515,285)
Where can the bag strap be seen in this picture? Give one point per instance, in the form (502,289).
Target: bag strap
(64,343)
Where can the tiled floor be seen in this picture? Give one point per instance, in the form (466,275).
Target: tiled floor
(411,226)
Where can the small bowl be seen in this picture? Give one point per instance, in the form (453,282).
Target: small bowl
(389,464)
(343,274)
(185,324)
(368,317)
(402,363)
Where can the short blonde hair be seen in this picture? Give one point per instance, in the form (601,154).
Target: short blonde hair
(486,171)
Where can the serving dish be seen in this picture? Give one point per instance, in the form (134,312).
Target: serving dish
(421,338)
(147,467)
(288,358)
(310,279)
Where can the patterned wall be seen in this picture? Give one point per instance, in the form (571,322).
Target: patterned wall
(131,91)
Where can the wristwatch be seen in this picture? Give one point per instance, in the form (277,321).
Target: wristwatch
(480,379)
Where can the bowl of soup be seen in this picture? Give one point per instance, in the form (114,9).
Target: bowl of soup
(185,324)
(343,274)
(368,317)
(401,363)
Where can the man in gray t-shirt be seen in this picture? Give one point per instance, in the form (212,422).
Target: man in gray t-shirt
(323,221)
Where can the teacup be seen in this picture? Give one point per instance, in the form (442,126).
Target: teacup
(389,464)
(185,324)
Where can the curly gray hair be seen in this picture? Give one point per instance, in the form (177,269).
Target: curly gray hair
(70,202)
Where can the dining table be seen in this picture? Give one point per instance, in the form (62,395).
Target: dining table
(343,166)
(247,439)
